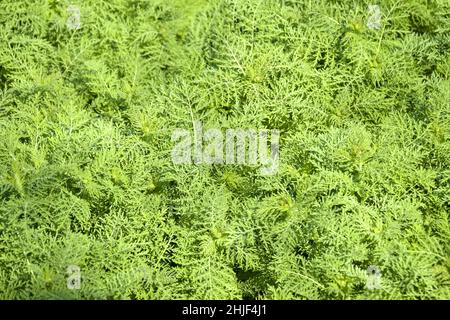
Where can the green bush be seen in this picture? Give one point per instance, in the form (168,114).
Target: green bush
(86,176)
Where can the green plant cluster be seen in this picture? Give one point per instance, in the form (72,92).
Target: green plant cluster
(86,176)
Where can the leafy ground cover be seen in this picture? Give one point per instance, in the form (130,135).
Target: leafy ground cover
(86,176)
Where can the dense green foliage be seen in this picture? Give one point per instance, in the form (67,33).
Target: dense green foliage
(86,176)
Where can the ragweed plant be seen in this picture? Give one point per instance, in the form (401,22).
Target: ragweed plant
(91,91)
